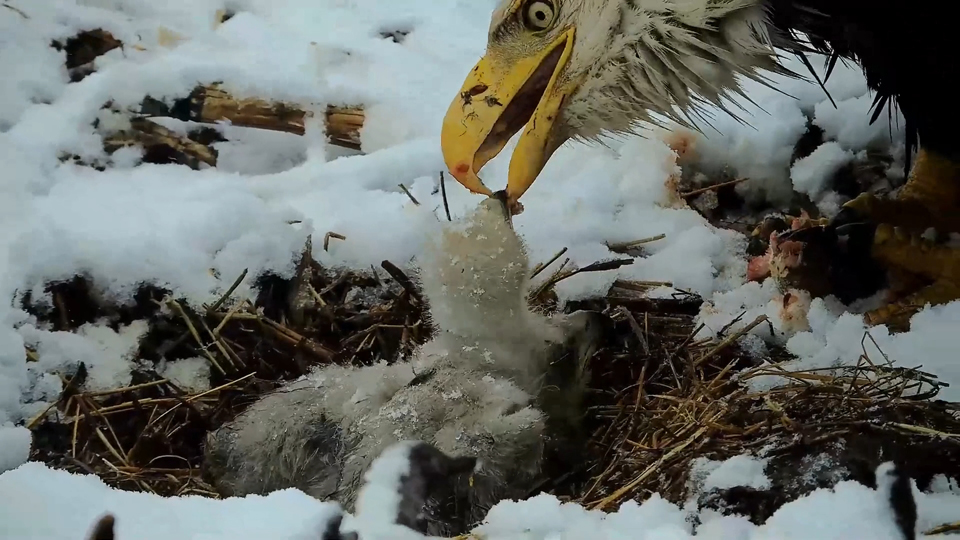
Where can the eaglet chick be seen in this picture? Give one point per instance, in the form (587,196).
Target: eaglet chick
(471,391)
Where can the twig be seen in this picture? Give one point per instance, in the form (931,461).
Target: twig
(196,335)
(924,431)
(945,528)
(603,503)
(328,236)
(198,396)
(68,389)
(543,266)
(601,266)
(407,191)
(236,283)
(125,389)
(73,436)
(230,314)
(223,386)
(293,338)
(636,329)
(400,277)
(623,247)
(726,342)
(639,286)
(224,349)
(17,10)
(443,193)
(110,448)
(714,187)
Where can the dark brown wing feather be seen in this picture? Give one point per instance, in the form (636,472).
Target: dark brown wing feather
(908,52)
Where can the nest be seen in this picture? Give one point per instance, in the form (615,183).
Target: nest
(148,436)
(685,403)
(660,398)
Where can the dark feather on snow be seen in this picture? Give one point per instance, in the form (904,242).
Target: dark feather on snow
(906,52)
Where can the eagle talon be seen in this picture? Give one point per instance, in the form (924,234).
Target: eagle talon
(897,314)
(848,215)
(910,251)
(856,238)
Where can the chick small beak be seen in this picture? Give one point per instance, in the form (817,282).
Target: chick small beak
(503,204)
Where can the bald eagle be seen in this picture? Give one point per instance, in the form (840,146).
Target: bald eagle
(577,69)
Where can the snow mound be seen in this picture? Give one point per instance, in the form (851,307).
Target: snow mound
(46,504)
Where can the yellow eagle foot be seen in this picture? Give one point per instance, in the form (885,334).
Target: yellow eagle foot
(896,314)
(902,240)
(929,199)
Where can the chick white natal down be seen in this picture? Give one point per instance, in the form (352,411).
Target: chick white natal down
(474,390)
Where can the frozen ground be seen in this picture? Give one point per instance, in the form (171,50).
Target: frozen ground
(195,231)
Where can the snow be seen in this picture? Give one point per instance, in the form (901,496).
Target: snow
(107,354)
(379,502)
(194,232)
(836,337)
(190,374)
(743,470)
(61,505)
(14,447)
(810,174)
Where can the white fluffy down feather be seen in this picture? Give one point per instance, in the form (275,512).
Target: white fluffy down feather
(471,391)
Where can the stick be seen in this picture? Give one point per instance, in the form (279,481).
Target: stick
(730,339)
(210,105)
(714,187)
(635,326)
(402,279)
(236,283)
(443,192)
(328,236)
(622,247)
(196,335)
(543,266)
(599,505)
(16,10)
(154,138)
(407,191)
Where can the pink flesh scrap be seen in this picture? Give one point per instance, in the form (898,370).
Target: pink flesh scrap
(788,253)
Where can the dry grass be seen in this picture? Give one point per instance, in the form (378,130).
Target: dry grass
(148,435)
(689,406)
(660,396)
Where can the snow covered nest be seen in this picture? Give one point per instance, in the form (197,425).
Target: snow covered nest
(665,409)
(121,372)
(197,367)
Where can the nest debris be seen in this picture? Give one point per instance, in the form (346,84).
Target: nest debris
(686,403)
(660,398)
(148,435)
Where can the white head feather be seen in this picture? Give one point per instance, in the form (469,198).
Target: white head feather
(639,58)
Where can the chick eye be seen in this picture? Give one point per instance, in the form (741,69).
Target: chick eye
(538,15)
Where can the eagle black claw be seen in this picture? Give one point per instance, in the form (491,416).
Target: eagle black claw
(847,216)
(856,238)
(835,260)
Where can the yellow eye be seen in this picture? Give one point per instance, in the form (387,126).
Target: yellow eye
(538,15)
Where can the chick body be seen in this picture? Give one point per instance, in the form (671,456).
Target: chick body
(471,391)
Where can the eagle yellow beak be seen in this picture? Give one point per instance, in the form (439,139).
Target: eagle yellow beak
(502,95)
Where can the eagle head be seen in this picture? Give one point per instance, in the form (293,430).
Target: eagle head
(574,69)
